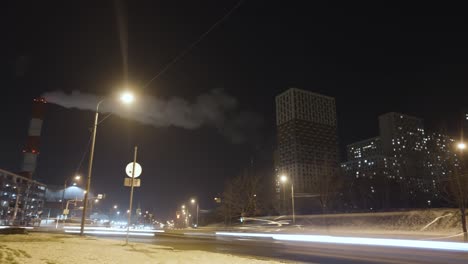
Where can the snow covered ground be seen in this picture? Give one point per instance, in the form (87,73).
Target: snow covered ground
(39,248)
(430,224)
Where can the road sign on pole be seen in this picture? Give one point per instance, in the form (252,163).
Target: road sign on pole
(129,170)
(128,182)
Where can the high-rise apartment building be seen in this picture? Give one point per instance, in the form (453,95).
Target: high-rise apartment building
(371,174)
(403,167)
(365,148)
(307,137)
(403,138)
(464,124)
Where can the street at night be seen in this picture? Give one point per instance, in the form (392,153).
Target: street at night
(308,252)
(234,131)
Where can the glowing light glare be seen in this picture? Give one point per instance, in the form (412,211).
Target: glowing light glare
(127,98)
(192,201)
(404,243)
(283,178)
(77,177)
(461,146)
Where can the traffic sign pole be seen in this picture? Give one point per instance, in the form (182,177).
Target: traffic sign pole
(131,194)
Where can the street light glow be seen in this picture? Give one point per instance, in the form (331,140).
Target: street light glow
(461,146)
(183,206)
(193,201)
(283,178)
(127,98)
(77,177)
(115,206)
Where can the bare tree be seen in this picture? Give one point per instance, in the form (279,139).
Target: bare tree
(327,184)
(458,194)
(240,197)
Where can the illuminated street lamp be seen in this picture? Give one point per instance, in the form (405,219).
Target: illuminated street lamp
(193,201)
(126,98)
(76,178)
(461,146)
(284,179)
(115,206)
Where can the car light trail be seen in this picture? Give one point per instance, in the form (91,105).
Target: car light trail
(95,232)
(25,227)
(113,229)
(404,243)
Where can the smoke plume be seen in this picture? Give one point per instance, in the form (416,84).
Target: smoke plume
(216,109)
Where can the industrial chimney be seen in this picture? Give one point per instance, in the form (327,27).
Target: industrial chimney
(31,149)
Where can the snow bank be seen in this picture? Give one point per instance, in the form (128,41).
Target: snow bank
(418,222)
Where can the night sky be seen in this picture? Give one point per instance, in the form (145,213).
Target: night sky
(372,57)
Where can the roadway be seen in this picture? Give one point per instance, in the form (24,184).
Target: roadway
(306,252)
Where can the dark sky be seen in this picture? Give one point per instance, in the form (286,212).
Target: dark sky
(372,57)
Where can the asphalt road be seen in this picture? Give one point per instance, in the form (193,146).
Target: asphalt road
(308,252)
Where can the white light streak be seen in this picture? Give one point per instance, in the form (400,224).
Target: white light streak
(110,233)
(113,229)
(403,243)
(25,227)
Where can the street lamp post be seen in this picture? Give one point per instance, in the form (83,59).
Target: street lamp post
(460,192)
(77,177)
(193,201)
(283,180)
(129,219)
(126,98)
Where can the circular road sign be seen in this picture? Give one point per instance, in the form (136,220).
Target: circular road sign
(129,169)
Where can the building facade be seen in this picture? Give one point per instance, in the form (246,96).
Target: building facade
(307,141)
(21,199)
(365,148)
(404,167)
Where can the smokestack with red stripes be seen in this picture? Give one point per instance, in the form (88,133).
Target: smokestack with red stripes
(31,149)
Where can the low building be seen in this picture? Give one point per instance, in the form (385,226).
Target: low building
(21,199)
